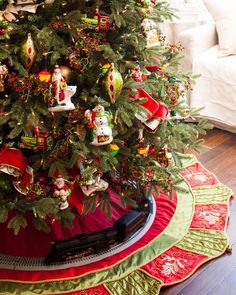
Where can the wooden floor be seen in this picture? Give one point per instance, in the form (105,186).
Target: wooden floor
(217,277)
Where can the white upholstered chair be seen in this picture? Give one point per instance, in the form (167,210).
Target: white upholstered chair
(215,89)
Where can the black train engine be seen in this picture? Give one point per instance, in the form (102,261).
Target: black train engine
(84,244)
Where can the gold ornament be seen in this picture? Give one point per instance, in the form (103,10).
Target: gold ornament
(44,76)
(66,73)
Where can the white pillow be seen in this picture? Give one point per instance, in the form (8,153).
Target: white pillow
(224,14)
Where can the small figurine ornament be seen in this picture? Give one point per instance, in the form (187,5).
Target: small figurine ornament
(139,75)
(62,93)
(95,185)
(149,30)
(99,22)
(165,157)
(62,192)
(99,126)
(146,6)
(3,74)
(40,142)
(103,21)
(183,102)
(136,74)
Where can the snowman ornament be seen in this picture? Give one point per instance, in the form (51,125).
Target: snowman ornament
(99,126)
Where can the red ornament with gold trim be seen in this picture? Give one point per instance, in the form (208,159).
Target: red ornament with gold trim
(28,52)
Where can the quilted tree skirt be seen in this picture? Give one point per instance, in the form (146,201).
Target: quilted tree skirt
(185,232)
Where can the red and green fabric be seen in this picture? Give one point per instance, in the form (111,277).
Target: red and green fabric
(188,231)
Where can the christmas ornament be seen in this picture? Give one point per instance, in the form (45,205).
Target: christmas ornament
(150,105)
(140,134)
(61,191)
(99,22)
(152,124)
(16,8)
(94,185)
(99,126)
(3,74)
(143,150)
(152,68)
(112,83)
(183,102)
(105,68)
(165,158)
(114,149)
(44,76)
(139,75)
(40,142)
(76,199)
(149,30)
(66,73)
(145,7)
(103,21)
(13,163)
(28,5)
(43,140)
(62,93)
(164,66)
(4,29)
(49,2)
(28,52)
(155,112)
(9,13)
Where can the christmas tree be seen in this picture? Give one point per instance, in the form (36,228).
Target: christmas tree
(91,101)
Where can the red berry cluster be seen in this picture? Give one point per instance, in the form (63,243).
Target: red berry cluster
(57,24)
(19,84)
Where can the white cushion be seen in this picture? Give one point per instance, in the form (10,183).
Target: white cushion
(215,90)
(224,14)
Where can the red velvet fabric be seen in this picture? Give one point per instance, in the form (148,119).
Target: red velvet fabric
(33,243)
(30,240)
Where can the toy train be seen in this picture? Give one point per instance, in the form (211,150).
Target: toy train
(83,244)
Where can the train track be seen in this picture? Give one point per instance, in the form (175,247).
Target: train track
(37,263)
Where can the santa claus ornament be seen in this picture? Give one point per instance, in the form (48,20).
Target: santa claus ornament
(139,75)
(61,191)
(62,93)
(99,126)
